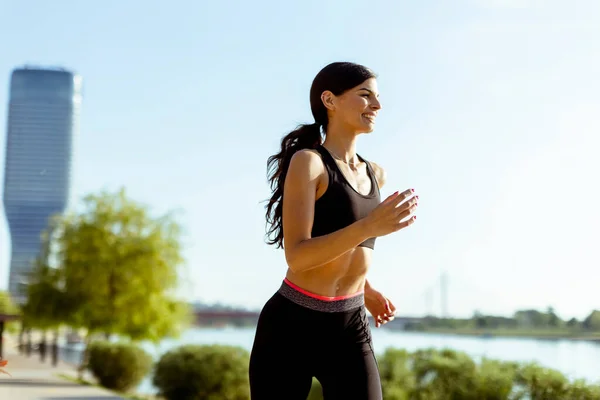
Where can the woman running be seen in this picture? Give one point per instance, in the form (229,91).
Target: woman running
(326,207)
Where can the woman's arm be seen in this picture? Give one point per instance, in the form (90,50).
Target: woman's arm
(305,173)
(376,300)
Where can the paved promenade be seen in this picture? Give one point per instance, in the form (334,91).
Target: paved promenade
(33,380)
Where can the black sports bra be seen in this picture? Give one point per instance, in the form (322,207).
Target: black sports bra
(341,205)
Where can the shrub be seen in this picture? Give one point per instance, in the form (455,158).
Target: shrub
(444,374)
(203,372)
(316,391)
(397,380)
(221,372)
(494,380)
(541,383)
(118,366)
(579,390)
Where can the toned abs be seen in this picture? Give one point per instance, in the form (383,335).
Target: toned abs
(345,275)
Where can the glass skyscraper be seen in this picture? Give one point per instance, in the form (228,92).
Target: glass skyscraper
(43,111)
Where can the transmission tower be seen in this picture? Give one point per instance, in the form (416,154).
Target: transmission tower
(444,294)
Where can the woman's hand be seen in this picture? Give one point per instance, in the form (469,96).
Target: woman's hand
(387,216)
(380,307)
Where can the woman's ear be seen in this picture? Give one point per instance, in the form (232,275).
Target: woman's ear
(328,100)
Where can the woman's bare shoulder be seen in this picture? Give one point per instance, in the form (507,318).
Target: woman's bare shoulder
(380,173)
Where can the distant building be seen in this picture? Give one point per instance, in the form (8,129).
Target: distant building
(43,112)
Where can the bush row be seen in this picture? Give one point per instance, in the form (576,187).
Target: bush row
(210,372)
(447,374)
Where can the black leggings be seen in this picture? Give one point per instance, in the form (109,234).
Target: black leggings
(300,336)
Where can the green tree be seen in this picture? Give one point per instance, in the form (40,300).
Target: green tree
(553,320)
(45,306)
(6,304)
(480,320)
(119,268)
(592,321)
(572,323)
(8,307)
(531,319)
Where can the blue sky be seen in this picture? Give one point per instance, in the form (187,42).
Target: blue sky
(490,110)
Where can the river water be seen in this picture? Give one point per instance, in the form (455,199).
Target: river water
(576,359)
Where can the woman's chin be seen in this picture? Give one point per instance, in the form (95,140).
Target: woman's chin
(368,128)
(364,128)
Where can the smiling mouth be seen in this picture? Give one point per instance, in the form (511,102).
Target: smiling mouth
(370,118)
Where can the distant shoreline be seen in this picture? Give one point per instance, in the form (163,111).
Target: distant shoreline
(516,334)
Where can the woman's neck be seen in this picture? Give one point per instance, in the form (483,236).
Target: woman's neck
(342,145)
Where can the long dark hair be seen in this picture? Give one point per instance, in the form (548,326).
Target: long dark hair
(337,77)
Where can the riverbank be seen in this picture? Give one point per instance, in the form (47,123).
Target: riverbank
(515,333)
(574,358)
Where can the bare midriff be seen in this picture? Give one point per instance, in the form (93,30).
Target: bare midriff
(343,276)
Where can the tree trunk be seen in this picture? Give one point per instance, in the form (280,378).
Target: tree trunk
(21,334)
(85,357)
(43,344)
(55,348)
(28,346)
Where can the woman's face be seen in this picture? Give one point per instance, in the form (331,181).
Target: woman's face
(356,109)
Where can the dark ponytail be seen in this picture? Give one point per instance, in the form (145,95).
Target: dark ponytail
(336,77)
(303,137)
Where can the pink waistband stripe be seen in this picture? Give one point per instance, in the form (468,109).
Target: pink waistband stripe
(319,297)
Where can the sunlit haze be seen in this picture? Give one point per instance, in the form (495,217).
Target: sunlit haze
(491,111)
